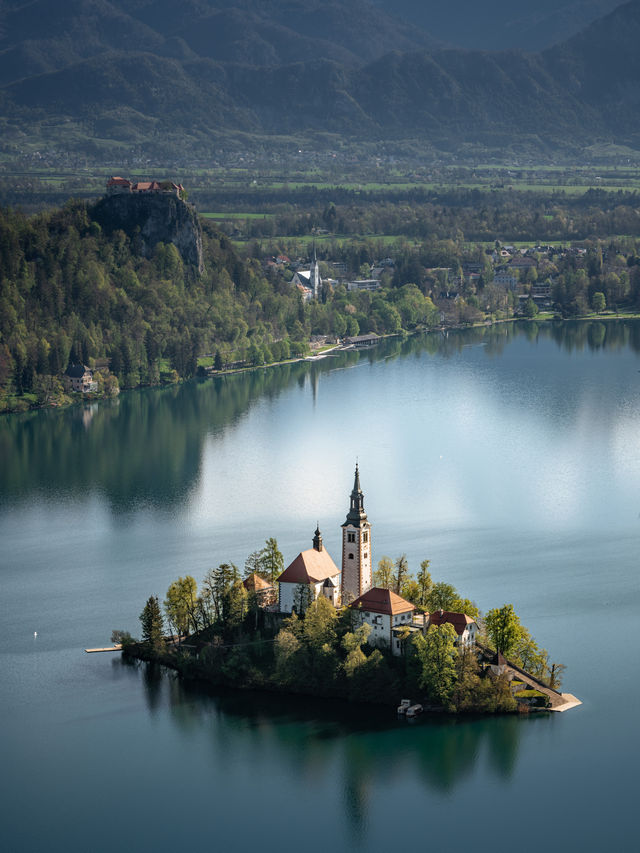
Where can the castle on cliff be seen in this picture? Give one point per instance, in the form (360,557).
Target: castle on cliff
(117,185)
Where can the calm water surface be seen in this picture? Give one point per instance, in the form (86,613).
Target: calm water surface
(508,457)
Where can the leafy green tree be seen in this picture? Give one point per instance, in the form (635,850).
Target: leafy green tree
(151,621)
(319,626)
(352,643)
(287,648)
(529,656)
(503,628)
(598,302)
(442,596)
(383,576)
(436,653)
(410,590)
(122,638)
(181,605)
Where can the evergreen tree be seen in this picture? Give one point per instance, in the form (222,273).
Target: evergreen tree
(152,625)
(272,560)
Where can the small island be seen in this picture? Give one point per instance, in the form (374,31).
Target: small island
(351,633)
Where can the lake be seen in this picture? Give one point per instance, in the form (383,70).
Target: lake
(508,456)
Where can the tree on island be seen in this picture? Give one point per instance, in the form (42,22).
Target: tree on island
(152,624)
(272,560)
(181,605)
(383,576)
(302,597)
(401,573)
(425,584)
(437,655)
(503,628)
(216,589)
(444,596)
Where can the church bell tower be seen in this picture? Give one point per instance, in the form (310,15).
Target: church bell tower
(315,282)
(356,547)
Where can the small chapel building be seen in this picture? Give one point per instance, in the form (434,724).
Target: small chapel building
(311,574)
(309,281)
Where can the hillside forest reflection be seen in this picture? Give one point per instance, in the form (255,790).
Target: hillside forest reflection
(145,448)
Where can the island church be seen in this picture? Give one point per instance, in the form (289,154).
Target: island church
(314,573)
(390,617)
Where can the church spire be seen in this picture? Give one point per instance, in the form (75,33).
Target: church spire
(317,540)
(357,575)
(356,512)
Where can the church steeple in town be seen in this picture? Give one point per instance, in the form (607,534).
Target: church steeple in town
(315,282)
(357,575)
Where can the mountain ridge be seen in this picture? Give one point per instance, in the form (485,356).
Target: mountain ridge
(566,97)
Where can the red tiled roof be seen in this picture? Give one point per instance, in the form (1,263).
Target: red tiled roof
(309,567)
(255,583)
(381,600)
(118,182)
(459,620)
(143,186)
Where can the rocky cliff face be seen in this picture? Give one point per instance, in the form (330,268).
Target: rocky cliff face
(152,218)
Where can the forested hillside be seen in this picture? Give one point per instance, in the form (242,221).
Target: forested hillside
(71,293)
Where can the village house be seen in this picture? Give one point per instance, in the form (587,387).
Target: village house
(360,341)
(368,284)
(466,628)
(506,278)
(265,592)
(81,378)
(385,612)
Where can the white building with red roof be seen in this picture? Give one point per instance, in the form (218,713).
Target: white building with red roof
(116,184)
(385,612)
(466,627)
(311,574)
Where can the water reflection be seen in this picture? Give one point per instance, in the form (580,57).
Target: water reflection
(358,747)
(145,449)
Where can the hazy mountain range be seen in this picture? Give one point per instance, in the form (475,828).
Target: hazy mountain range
(189,75)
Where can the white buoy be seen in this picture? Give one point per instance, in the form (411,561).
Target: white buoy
(35,634)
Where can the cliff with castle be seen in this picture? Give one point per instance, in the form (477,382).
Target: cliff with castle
(152,212)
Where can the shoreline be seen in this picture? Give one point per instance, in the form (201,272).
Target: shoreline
(77,398)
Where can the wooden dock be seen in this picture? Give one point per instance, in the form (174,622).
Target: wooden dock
(116,648)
